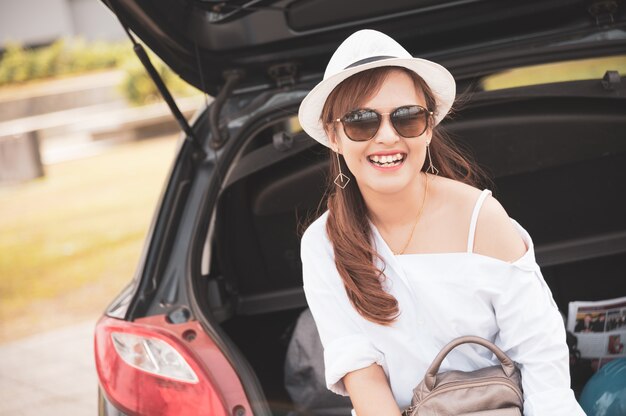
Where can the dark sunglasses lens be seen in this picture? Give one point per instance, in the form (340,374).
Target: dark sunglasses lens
(361,125)
(410,121)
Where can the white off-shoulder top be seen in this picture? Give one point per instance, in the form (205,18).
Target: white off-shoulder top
(442,296)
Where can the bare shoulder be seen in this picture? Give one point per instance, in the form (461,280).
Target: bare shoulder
(457,200)
(453,194)
(496,236)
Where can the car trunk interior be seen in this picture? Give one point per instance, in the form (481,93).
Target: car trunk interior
(558,164)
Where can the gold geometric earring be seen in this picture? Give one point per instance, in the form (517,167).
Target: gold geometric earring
(341,180)
(431,168)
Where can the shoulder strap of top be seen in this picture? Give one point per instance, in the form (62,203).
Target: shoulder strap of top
(472,231)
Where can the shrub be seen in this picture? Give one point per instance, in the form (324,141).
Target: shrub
(138,87)
(62,57)
(77,56)
(14,66)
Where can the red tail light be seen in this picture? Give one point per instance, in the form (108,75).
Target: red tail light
(147,369)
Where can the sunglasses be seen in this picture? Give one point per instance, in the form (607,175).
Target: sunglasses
(363,124)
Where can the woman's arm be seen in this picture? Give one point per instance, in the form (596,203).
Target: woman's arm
(531,330)
(347,347)
(370,392)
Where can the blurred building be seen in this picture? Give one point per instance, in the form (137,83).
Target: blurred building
(36,22)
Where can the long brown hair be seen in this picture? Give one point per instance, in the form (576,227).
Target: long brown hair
(347,225)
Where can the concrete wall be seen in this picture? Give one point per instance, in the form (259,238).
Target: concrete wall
(33,22)
(93,20)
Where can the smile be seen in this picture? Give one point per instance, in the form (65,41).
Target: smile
(387,161)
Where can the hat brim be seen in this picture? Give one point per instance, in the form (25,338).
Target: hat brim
(437,77)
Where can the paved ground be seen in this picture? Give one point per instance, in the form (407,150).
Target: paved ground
(49,374)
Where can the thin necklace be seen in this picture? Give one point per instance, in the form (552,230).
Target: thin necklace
(419,213)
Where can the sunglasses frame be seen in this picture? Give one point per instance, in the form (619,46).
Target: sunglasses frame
(380,115)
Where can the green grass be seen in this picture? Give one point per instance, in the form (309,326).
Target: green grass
(71,240)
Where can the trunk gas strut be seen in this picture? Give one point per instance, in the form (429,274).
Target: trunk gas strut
(158,81)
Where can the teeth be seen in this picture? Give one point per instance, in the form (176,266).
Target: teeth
(389,160)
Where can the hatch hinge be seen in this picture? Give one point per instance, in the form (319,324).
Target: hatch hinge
(283,74)
(611,80)
(603,11)
(199,152)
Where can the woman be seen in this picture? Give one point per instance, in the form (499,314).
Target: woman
(409,254)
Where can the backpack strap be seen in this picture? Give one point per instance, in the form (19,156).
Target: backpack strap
(472,231)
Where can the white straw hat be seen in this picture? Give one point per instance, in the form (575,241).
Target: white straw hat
(367,49)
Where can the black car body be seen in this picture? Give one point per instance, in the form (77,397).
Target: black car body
(206,321)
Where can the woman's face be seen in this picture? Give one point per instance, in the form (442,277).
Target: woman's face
(397,90)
